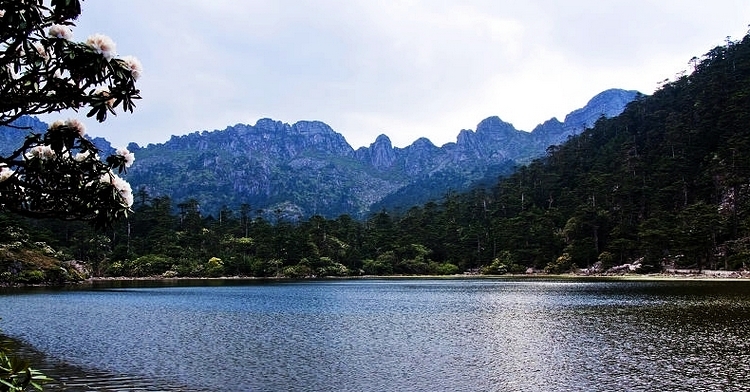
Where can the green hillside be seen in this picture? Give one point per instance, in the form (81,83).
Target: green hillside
(664,184)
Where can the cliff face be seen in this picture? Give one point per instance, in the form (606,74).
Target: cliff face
(380,155)
(307,168)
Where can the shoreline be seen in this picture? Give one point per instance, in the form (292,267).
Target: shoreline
(714,275)
(707,275)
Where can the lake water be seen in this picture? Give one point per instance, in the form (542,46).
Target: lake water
(393,335)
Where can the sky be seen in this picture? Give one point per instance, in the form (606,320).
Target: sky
(403,68)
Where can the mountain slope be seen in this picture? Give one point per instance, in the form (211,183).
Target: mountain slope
(307,168)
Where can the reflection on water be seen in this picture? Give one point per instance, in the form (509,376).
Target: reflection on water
(406,335)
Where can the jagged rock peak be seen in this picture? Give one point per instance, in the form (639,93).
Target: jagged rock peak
(490,130)
(608,103)
(322,136)
(313,128)
(381,153)
(302,128)
(464,136)
(292,139)
(270,124)
(382,141)
(552,125)
(494,124)
(421,143)
(552,121)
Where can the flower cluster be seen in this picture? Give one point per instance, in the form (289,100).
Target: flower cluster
(60,31)
(102,45)
(127,155)
(5,173)
(82,156)
(42,152)
(72,123)
(122,186)
(45,152)
(134,65)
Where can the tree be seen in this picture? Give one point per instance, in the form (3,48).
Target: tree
(59,174)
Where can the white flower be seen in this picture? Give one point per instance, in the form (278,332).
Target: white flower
(127,197)
(107,178)
(134,65)
(5,173)
(57,124)
(2,13)
(72,123)
(60,31)
(82,156)
(76,124)
(102,45)
(129,156)
(121,185)
(42,152)
(125,191)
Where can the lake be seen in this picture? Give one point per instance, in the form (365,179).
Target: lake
(390,335)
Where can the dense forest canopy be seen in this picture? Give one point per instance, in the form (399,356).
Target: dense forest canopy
(664,185)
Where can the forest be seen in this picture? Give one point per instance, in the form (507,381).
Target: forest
(664,185)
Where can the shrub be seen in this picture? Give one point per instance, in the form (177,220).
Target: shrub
(297,271)
(443,268)
(150,264)
(564,263)
(31,277)
(214,267)
(377,267)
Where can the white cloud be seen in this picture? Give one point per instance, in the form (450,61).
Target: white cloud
(406,68)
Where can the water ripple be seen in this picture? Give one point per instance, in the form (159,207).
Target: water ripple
(391,335)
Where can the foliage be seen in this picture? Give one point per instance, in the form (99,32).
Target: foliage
(562,264)
(59,174)
(214,267)
(443,268)
(148,265)
(503,264)
(23,261)
(17,375)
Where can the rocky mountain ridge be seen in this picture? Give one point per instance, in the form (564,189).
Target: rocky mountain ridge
(307,168)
